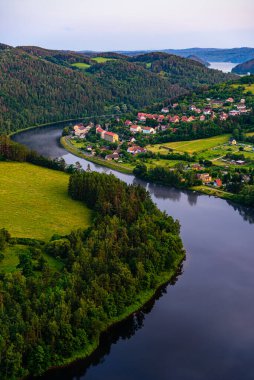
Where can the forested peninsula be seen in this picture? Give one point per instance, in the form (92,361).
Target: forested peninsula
(51,316)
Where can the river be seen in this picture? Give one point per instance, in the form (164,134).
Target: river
(201,327)
(226,67)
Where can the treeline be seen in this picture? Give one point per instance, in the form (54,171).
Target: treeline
(12,151)
(47,316)
(176,177)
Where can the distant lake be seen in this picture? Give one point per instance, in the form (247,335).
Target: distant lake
(226,67)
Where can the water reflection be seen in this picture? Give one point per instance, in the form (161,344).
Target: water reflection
(124,330)
(246,213)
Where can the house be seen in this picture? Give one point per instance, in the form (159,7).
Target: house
(99,130)
(207,111)
(148,130)
(175,105)
(193,107)
(234,113)
(132,140)
(229,100)
(165,110)
(223,116)
(113,156)
(135,128)
(175,119)
(161,119)
(204,177)
(141,116)
(191,118)
(127,123)
(197,110)
(196,167)
(217,182)
(202,118)
(135,149)
(232,141)
(242,101)
(241,107)
(184,119)
(110,136)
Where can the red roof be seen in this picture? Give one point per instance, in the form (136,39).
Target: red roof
(110,133)
(218,182)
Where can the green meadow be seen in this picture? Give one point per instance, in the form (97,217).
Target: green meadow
(102,59)
(82,66)
(34,202)
(190,146)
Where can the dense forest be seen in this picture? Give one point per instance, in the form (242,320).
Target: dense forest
(40,85)
(49,315)
(187,73)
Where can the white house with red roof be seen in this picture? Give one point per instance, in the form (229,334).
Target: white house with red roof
(135,129)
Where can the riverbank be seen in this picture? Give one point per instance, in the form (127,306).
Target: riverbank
(202,189)
(142,300)
(99,161)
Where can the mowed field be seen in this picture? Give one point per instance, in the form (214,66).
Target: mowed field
(190,146)
(34,202)
(246,87)
(81,65)
(102,59)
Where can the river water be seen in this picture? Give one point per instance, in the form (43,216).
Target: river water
(226,67)
(201,326)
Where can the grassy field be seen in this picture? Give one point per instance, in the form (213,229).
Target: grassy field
(34,202)
(245,86)
(212,191)
(82,66)
(102,59)
(190,146)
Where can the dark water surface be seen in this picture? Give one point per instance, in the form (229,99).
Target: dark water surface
(202,328)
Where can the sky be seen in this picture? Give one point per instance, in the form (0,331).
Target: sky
(127,24)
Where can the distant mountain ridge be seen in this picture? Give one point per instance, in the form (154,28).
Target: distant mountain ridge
(234,55)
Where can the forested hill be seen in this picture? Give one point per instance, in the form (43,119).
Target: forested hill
(245,68)
(184,72)
(135,84)
(36,91)
(40,85)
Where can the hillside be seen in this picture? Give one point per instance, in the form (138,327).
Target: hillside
(39,85)
(197,59)
(244,68)
(133,84)
(184,72)
(36,91)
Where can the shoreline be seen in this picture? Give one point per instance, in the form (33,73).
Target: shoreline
(202,189)
(109,164)
(142,300)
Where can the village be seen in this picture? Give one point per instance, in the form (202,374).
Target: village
(124,143)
